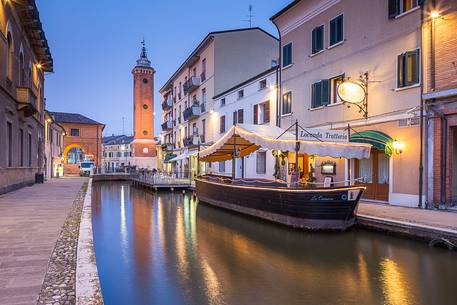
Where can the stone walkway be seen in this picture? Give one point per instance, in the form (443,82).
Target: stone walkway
(441,220)
(30,223)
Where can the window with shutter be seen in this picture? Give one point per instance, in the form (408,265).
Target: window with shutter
(222,124)
(235,116)
(287,103)
(266,114)
(320,93)
(408,69)
(240,116)
(287,55)
(317,39)
(336,30)
(256,114)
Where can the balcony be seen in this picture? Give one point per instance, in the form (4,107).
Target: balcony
(190,141)
(167,147)
(167,125)
(26,101)
(167,104)
(191,84)
(192,112)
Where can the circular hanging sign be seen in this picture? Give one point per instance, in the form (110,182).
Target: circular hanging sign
(351,92)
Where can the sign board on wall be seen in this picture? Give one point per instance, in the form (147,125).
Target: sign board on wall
(326,135)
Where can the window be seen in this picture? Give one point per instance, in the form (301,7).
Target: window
(287,55)
(203,75)
(222,124)
(336,30)
(334,83)
(287,103)
(262,113)
(203,104)
(21,146)
(240,94)
(320,92)
(238,116)
(222,102)
(397,7)
(203,131)
(9,134)
(74,132)
(262,84)
(408,69)
(261,162)
(10,56)
(317,39)
(222,167)
(180,90)
(30,150)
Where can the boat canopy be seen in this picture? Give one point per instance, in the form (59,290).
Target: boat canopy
(244,139)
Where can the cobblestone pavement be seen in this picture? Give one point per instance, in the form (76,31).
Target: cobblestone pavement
(59,286)
(437,219)
(30,223)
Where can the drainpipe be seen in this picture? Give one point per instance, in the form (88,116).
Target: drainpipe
(421,126)
(278,79)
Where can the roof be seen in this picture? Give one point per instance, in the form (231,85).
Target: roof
(285,9)
(205,40)
(30,19)
(115,140)
(75,118)
(243,83)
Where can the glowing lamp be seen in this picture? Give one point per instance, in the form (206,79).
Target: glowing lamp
(39,66)
(351,92)
(434,14)
(397,146)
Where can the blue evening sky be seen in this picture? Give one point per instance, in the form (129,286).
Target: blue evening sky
(95,43)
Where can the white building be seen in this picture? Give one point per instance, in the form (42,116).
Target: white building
(252,101)
(117,153)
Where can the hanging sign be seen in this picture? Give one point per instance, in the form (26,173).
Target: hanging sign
(326,135)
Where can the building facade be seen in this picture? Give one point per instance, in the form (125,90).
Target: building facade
(253,101)
(143,144)
(53,147)
(213,67)
(24,57)
(82,140)
(376,44)
(117,153)
(440,98)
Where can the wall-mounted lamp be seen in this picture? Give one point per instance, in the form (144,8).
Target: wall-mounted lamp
(39,66)
(397,146)
(355,93)
(434,14)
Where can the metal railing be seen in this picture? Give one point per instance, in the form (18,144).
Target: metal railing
(159,178)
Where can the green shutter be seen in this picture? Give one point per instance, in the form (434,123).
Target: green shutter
(394,7)
(325,100)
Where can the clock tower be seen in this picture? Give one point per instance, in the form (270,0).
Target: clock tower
(143,144)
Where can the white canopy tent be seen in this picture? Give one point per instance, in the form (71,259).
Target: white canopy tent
(183,156)
(247,138)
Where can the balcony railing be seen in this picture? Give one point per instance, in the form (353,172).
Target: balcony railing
(166,146)
(191,84)
(26,101)
(192,112)
(193,140)
(167,104)
(167,125)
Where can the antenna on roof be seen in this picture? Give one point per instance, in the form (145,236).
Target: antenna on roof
(123,120)
(249,16)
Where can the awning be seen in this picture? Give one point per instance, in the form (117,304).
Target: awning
(183,156)
(168,157)
(247,138)
(378,139)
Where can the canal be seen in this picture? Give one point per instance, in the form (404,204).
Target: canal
(167,249)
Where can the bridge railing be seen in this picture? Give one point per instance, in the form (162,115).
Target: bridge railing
(163,178)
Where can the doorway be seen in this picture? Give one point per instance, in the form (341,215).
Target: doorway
(374,174)
(454,167)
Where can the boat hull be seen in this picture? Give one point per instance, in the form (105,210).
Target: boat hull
(315,209)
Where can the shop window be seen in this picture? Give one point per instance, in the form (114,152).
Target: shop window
(287,55)
(222,167)
(287,103)
(261,162)
(336,30)
(408,69)
(317,39)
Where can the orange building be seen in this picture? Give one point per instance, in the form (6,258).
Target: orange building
(143,145)
(82,141)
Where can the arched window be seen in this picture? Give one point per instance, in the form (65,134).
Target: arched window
(21,70)
(10,55)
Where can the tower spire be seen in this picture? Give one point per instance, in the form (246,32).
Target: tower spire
(143,61)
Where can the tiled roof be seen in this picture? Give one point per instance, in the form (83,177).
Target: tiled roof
(116,140)
(76,118)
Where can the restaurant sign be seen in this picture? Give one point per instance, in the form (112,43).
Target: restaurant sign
(326,135)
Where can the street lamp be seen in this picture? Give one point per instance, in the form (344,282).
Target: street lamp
(355,93)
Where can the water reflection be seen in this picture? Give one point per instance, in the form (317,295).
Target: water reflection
(179,252)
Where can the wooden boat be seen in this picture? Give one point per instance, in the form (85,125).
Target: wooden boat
(316,208)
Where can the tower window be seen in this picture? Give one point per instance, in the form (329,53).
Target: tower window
(145,80)
(145,132)
(145,106)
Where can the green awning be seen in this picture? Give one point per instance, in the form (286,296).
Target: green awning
(378,139)
(168,157)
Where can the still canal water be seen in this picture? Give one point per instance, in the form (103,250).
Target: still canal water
(167,249)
